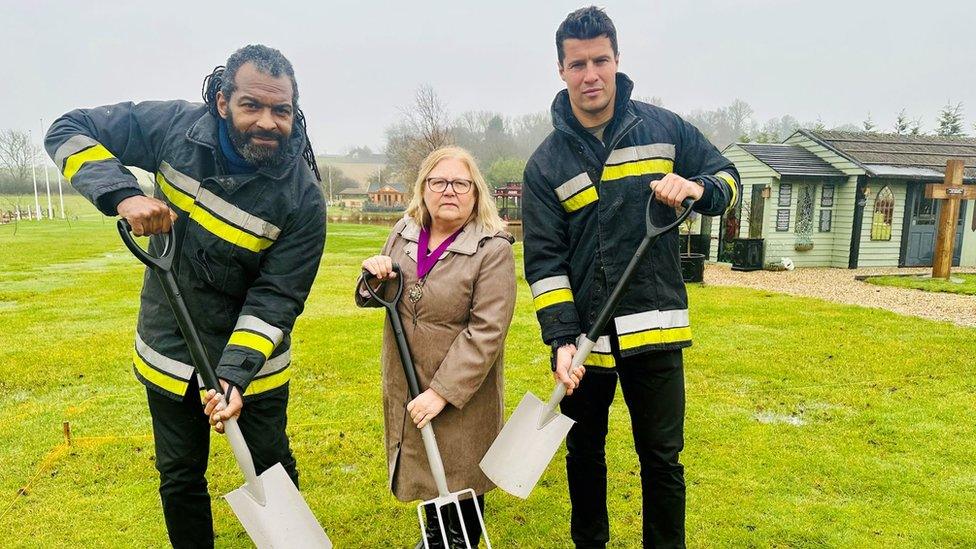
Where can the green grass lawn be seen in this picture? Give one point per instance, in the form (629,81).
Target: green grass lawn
(929,284)
(809,424)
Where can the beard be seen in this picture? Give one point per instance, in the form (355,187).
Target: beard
(256,155)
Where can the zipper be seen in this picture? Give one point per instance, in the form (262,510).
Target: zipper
(618,138)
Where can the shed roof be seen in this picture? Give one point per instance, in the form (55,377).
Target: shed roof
(791,159)
(903,156)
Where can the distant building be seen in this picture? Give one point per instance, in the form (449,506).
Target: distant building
(386,196)
(846,199)
(352,198)
(508,199)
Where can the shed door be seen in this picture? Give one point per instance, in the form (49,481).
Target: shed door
(922,228)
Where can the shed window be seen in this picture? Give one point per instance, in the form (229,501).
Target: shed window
(884,209)
(826,208)
(827,196)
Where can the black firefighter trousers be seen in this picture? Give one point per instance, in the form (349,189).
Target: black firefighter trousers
(654,390)
(182,437)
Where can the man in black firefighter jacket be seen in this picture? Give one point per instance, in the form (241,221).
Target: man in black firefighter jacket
(234,183)
(586,187)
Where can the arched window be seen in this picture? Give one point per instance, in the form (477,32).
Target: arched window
(884,208)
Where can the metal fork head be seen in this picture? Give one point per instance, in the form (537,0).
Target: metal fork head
(440,502)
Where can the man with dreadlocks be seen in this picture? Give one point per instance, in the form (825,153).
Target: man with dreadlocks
(249,223)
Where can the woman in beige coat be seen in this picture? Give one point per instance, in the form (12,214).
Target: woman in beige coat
(458,300)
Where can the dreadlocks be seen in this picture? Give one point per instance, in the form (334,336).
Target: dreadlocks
(269,61)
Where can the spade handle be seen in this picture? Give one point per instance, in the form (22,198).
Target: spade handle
(603,317)
(162,266)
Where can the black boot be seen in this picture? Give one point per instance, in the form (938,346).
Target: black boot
(471,524)
(432,530)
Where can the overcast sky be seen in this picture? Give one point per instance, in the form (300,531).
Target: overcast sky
(357,62)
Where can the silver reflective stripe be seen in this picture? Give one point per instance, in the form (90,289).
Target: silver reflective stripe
(182,182)
(236,216)
(275,364)
(232,214)
(74,145)
(162,363)
(549,284)
(602,344)
(641,152)
(573,186)
(255,324)
(651,320)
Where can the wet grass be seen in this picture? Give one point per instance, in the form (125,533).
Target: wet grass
(963,284)
(809,424)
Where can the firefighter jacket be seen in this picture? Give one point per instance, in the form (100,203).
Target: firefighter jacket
(584,211)
(248,246)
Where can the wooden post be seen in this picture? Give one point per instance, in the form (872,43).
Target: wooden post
(66,427)
(950,193)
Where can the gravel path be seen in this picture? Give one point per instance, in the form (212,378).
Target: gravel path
(839,285)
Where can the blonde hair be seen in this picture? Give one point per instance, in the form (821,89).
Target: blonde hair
(484,212)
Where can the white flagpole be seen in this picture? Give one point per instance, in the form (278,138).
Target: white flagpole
(30,145)
(47,179)
(60,194)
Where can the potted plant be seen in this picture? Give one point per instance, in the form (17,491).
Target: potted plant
(692,264)
(747,253)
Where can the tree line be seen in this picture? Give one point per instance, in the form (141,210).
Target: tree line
(502,143)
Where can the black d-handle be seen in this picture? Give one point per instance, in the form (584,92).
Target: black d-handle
(403,348)
(652,229)
(367,276)
(165,260)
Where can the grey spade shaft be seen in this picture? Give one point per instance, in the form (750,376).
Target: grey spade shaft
(413,386)
(269,506)
(596,330)
(162,267)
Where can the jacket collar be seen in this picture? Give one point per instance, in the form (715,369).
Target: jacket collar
(467,243)
(565,121)
(204,132)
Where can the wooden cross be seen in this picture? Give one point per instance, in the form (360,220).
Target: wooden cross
(951,192)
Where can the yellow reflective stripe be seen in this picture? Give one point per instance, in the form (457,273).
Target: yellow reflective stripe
(641,167)
(159,379)
(654,337)
(581,199)
(263,384)
(563,295)
(176,197)
(735,190)
(599,360)
(213,224)
(93,154)
(226,232)
(252,341)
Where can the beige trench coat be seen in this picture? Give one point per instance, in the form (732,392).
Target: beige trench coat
(456,333)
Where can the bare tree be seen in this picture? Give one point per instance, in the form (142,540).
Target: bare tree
(738,115)
(652,100)
(17,156)
(530,130)
(423,127)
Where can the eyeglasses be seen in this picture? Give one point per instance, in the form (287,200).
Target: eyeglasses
(439,184)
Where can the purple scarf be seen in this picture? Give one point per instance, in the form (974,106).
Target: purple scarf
(426,262)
